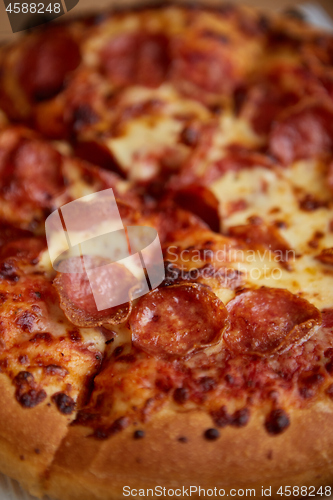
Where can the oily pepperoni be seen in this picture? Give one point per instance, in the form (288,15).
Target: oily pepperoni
(31,173)
(269,320)
(263,103)
(76,296)
(304,133)
(23,250)
(260,235)
(176,320)
(136,58)
(326,256)
(98,154)
(206,66)
(45,63)
(202,202)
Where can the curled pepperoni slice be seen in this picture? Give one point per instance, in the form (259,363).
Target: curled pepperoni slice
(76,296)
(9,233)
(263,103)
(31,173)
(208,67)
(304,133)
(200,201)
(45,63)
(260,235)
(269,320)
(140,58)
(177,320)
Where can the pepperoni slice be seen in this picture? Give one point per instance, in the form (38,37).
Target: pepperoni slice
(9,233)
(98,154)
(136,58)
(206,64)
(304,133)
(326,256)
(269,320)
(45,63)
(262,235)
(31,173)
(76,296)
(177,320)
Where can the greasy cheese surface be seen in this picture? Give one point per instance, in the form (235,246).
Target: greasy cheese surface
(214,127)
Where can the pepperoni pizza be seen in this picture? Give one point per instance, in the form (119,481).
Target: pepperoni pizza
(214,126)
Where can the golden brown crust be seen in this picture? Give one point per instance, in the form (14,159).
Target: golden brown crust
(29,438)
(85,468)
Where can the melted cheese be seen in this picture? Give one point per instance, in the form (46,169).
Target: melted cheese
(276,195)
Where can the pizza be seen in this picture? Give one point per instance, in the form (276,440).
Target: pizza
(213,127)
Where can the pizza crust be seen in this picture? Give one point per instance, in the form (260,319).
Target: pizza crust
(29,438)
(240,458)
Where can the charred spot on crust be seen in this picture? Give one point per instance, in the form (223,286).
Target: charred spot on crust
(277,422)
(181,395)
(221,417)
(56,370)
(42,337)
(24,377)
(309,383)
(31,398)
(64,403)
(23,359)
(116,427)
(26,321)
(8,271)
(182,439)
(139,434)
(239,418)
(211,434)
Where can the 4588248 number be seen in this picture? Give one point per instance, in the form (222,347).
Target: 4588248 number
(304,491)
(33,8)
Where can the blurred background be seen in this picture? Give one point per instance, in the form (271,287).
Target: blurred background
(93,5)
